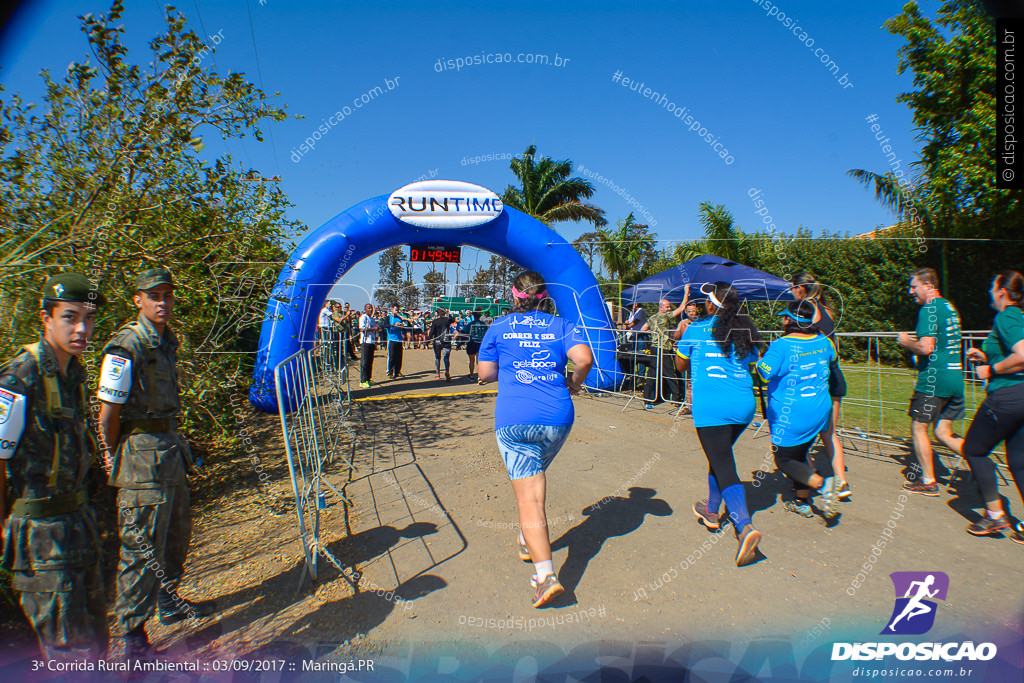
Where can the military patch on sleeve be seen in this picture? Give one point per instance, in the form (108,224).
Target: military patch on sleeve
(115,379)
(12,422)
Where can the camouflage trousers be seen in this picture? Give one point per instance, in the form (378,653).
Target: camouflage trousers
(156,529)
(70,621)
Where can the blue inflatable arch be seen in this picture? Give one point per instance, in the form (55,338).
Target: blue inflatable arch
(323,258)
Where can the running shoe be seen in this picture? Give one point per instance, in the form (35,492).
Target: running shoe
(931,489)
(700,508)
(481,382)
(648,406)
(799,507)
(1018,534)
(987,525)
(844,491)
(748,540)
(545,590)
(829,499)
(437,376)
(364,385)
(524,553)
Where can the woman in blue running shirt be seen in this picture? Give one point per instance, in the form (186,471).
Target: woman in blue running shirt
(719,351)
(526,352)
(796,368)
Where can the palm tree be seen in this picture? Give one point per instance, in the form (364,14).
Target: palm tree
(547,192)
(625,250)
(911,205)
(721,236)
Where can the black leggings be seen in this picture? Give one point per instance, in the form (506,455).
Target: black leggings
(793,461)
(1000,417)
(717,442)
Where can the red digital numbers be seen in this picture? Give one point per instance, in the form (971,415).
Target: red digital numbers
(435,254)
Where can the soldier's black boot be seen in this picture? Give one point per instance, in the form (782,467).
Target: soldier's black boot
(137,645)
(174,608)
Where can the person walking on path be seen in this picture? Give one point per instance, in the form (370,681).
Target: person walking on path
(720,353)
(1000,416)
(939,393)
(527,352)
(476,329)
(804,286)
(440,338)
(795,366)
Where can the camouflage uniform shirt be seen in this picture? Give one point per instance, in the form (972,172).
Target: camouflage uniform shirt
(38,550)
(149,459)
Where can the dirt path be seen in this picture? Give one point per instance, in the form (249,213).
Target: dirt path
(432,527)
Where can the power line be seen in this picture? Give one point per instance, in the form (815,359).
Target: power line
(213,56)
(259,72)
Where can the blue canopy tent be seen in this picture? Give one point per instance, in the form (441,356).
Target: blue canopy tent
(751,284)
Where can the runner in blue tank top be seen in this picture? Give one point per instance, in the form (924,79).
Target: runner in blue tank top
(526,351)
(719,352)
(796,368)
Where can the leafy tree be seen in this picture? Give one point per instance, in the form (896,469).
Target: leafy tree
(548,193)
(950,192)
(105,177)
(953,60)
(392,282)
(480,285)
(588,245)
(433,285)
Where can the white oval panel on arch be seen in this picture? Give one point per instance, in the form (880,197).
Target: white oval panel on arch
(444,204)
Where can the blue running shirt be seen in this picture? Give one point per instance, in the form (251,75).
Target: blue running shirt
(531,350)
(796,369)
(723,390)
(394,333)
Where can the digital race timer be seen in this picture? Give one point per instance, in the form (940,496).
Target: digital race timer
(435,254)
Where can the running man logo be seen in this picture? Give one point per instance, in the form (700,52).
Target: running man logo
(913,613)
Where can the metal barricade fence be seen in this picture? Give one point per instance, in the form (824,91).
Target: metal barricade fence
(643,368)
(874,410)
(314,428)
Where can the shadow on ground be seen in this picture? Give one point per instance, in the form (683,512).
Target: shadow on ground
(605,519)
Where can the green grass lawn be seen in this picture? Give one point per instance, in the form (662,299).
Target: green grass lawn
(878,397)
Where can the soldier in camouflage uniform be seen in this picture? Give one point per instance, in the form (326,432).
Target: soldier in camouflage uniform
(50,540)
(147,459)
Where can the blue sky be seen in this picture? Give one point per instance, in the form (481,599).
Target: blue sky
(791,128)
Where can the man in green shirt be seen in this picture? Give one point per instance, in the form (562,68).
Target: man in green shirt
(939,393)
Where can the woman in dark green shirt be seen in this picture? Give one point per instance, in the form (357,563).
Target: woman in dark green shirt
(1001,416)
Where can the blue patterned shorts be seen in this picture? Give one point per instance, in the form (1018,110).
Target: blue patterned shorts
(529,449)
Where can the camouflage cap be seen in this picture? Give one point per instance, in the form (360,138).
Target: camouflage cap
(151,278)
(72,287)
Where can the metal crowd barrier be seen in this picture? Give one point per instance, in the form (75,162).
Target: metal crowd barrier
(314,431)
(641,364)
(882,410)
